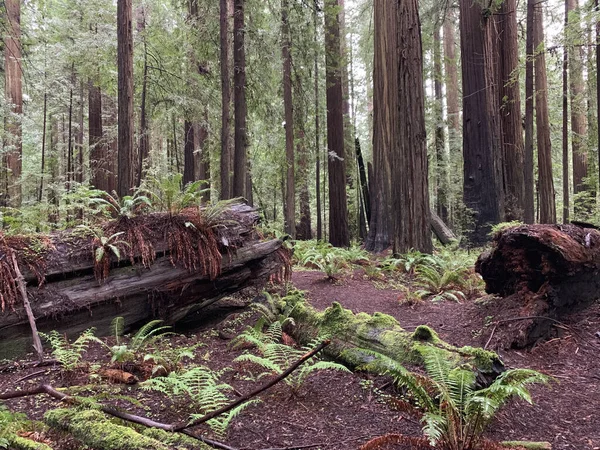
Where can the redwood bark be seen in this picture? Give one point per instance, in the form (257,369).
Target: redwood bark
(304,226)
(240,162)
(98,148)
(565,124)
(13,72)
(529,106)
(545,181)
(338,208)
(225,102)
(482,149)
(510,110)
(409,163)
(317,125)
(385,123)
(286,56)
(144,138)
(125,84)
(441,169)
(578,104)
(188,152)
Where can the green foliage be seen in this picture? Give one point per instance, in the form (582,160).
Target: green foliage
(273,310)
(69,354)
(169,195)
(128,206)
(455,414)
(10,423)
(167,359)
(200,386)
(441,283)
(408,262)
(276,357)
(504,226)
(125,352)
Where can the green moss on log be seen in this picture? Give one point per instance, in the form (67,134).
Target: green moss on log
(95,430)
(527,445)
(353,333)
(21,443)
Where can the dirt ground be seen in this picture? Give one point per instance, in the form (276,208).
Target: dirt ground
(338,411)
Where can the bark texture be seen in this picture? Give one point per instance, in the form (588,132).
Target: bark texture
(13,91)
(338,208)
(546,192)
(226,168)
(482,149)
(409,165)
(529,106)
(125,85)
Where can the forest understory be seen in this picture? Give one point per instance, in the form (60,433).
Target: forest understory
(312,413)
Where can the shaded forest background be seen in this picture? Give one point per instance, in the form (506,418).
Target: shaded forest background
(341,121)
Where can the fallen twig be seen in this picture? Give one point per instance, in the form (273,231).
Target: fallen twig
(37,342)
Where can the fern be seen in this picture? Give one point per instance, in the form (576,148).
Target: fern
(206,393)
(10,423)
(454,413)
(69,354)
(276,357)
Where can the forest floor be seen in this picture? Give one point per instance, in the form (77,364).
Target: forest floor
(337,410)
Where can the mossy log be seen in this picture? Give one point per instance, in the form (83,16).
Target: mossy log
(351,334)
(96,430)
(21,443)
(72,299)
(541,272)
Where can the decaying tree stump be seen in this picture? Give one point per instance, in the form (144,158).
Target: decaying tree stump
(177,265)
(542,272)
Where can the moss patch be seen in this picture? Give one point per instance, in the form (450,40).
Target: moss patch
(94,429)
(527,445)
(20,443)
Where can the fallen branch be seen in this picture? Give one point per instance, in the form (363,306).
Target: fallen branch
(37,342)
(181,428)
(254,393)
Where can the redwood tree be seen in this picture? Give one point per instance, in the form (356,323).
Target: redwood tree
(529,103)
(286,56)
(125,84)
(545,182)
(509,97)
(482,149)
(409,161)
(14,98)
(225,101)
(338,208)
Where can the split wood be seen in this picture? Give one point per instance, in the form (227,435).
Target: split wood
(177,428)
(37,343)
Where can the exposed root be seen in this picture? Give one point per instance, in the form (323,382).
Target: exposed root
(193,244)
(138,235)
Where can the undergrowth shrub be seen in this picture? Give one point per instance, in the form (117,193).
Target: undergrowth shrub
(276,356)
(202,389)
(453,412)
(69,354)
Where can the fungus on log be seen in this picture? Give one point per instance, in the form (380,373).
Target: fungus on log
(169,266)
(541,272)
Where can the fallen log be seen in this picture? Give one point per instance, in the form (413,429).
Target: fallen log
(541,273)
(351,334)
(168,284)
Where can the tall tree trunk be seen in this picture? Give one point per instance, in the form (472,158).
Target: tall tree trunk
(529,104)
(99,172)
(338,208)
(70,138)
(510,110)
(409,163)
(317,125)
(240,169)
(144,138)
(545,180)
(13,72)
(125,85)
(385,123)
(598,83)
(565,123)
(578,107)
(43,168)
(441,173)
(304,227)
(201,155)
(453,112)
(225,102)
(482,148)
(188,152)
(290,189)
(80,170)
